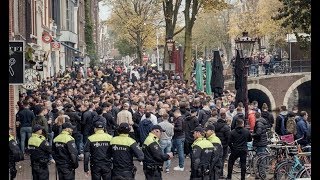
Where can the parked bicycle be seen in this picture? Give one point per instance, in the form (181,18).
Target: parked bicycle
(280,67)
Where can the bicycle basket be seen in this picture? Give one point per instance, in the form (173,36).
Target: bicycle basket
(287,138)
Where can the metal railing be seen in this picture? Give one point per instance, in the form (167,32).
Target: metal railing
(297,66)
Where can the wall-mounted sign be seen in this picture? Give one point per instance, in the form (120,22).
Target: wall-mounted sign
(46,37)
(39,66)
(16,62)
(32,79)
(55,46)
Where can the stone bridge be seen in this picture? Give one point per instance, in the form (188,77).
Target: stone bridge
(276,90)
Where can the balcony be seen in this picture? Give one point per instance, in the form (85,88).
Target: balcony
(68,36)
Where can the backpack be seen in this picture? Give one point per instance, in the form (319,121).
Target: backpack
(291,126)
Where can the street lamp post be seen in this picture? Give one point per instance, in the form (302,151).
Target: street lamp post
(170,47)
(244,50)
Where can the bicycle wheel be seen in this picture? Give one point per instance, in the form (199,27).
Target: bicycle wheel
(304,173)
(282,170)
(288,69)
(266,167)
(256,161)
(277,70)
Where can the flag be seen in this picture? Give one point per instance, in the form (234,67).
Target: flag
(208,77)
(199,76)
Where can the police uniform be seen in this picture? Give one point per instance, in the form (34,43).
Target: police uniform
(153,156)
(15,155)
(202,152)
(216,164)
(39,150)
(98,149)
(123,149)
(65,154)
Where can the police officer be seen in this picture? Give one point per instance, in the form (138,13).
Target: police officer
(123,149)
(98,149)
(216,163)
(40,150)
(153,155)
(65,153)
(202,152)
(15,155)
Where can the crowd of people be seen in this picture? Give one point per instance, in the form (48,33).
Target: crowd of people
(107,117)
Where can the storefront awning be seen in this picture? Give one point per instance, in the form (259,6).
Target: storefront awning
(67,46)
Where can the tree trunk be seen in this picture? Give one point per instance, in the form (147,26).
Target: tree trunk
(187,65)
(139,49)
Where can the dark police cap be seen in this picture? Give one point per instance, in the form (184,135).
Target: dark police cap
(98,124)
(36,128)
(157,127)
(124,127)
(67,125)
(198,129)
(210,127)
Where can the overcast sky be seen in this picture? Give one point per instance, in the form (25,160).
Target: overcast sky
(104,11)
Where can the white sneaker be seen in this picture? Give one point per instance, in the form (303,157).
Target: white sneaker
(178,168)
(167,170)
(141,163)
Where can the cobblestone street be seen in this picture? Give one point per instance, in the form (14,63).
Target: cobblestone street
(24,173)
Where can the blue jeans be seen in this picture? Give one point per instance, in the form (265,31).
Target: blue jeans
(261,149)
(166,145)
(179,145)
(50,139)
(78,137)
(25,132)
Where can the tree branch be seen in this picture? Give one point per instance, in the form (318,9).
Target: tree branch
(177,32)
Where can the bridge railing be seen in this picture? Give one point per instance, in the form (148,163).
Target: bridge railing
(296,66)
(300,66)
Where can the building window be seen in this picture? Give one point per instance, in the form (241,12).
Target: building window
(34,17)
(68,14)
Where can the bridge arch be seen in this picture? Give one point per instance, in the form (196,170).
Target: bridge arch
(293,87)
(267,93)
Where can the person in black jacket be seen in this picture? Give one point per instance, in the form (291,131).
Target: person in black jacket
(238,139)
(15,155)
(65,153)
(153,155)
(204,113)
(267,115)
(98,149)
(136,117)
(24,120)
(111,124)
(122,152)
(190,123)
(222,130)
(178,139)
(76,133)
(87,120)
(260,134)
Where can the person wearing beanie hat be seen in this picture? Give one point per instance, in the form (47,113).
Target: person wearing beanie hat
(123,148)
(40,151)
(65,152)
(202,153)
(218,151)
(96,149)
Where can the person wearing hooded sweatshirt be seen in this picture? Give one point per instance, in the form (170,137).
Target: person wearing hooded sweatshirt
(205,113)
(222,130)
(281,121)
(238,139)
(144,127)
(260,133)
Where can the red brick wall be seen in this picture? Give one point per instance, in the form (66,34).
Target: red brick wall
(10,18)
(11,108)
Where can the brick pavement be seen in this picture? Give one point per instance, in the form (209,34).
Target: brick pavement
(24,173)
